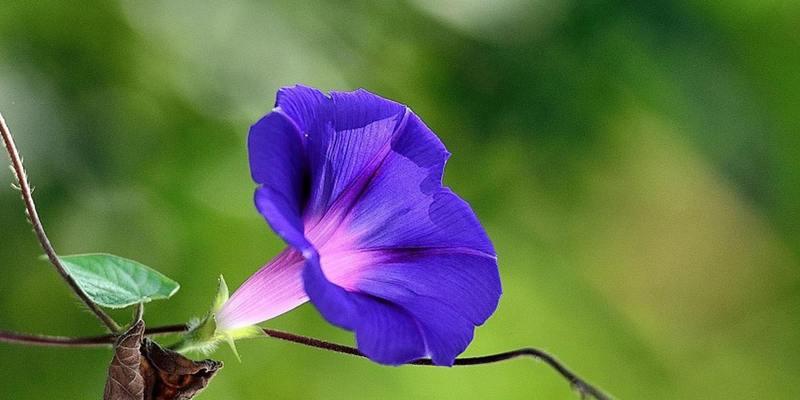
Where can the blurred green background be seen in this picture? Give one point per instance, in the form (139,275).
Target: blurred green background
(636,164)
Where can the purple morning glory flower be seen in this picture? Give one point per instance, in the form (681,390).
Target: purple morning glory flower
(353,183)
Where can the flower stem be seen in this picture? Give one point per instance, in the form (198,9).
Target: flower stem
(38,229)
(579,384)
(88,341)
(56,341)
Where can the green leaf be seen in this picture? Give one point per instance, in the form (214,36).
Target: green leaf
(117,282)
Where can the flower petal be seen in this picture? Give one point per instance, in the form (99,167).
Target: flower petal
(354,142)
(468,282)
(283,215)
(447,293)
(332,301)
(406,205)
(360,108)
(385,332)
(346,134)
(447,334)
(276,154)
(277,162)
(307,107)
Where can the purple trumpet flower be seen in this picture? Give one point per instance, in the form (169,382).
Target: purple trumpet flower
(353,183)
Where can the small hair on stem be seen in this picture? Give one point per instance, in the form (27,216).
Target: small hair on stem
(33,216)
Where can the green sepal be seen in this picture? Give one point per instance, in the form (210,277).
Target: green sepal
(204,336)
(247,332)
(222,295)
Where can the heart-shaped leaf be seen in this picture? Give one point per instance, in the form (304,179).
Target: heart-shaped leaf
(117,282)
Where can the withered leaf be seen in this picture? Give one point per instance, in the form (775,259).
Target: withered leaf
(125,382)
(143,370)
(169,375)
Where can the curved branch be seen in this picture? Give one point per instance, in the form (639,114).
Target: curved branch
(580,385)
(38,229)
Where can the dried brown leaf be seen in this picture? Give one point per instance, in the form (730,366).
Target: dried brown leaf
(143,370)
(125,381)
(169,375)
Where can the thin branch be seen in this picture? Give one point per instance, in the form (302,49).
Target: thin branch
(89,341)
(584,388)
(56,341)
(581,386)
(38,229)
(577,383)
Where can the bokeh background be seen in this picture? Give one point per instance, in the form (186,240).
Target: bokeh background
(637,165)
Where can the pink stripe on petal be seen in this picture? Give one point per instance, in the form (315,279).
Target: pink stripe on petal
(275,289)
(341,260)
(346,267)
